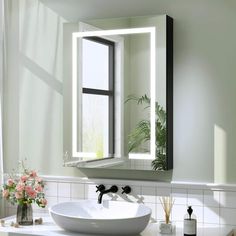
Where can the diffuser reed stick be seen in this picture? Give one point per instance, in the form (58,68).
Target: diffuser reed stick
(167,204)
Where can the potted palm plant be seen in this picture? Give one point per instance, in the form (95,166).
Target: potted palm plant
(141,133)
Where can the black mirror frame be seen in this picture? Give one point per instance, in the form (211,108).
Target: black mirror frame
(169,91)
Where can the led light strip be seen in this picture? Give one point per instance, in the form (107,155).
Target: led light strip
(75,36)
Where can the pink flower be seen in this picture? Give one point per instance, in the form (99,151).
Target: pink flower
(30,192)
(28,189)
(24,178)
(33,174)
(43,201)
(5,193)
(38,188)
(10,182)
(20,187)
(19,195)
(38,179)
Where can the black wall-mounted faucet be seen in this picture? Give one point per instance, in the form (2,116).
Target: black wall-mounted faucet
(100,188)
(112,189)
(126,189)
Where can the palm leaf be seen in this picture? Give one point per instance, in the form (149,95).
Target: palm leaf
(141,133)
(139,100)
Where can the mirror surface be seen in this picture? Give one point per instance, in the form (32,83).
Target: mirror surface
(118,117)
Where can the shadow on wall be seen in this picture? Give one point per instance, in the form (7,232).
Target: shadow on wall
(40,83)
(39,72)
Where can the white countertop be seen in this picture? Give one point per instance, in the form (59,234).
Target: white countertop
(49,228)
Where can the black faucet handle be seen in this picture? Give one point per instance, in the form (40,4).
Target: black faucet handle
(100,188)
(114,189)
(126,189)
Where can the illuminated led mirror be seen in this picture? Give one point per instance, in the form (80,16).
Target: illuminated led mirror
(94,100)
(116,114)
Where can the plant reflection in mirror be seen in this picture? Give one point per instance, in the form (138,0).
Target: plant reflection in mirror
(141,133)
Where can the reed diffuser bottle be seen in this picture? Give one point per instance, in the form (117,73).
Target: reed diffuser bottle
(166,226)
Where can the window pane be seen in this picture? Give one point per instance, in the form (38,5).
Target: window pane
(95,64)
(95,125)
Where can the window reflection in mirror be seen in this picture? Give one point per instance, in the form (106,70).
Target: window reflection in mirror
(96,135)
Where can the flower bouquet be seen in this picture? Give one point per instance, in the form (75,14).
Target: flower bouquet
(23,190)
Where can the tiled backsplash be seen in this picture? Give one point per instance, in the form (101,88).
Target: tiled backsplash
(211,203)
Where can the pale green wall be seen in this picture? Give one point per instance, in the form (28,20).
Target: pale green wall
(204,91)
(33,89)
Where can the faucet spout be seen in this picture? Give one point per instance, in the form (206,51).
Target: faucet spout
(100,197)
(112,189)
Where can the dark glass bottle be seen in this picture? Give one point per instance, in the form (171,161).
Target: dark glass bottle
(190,223)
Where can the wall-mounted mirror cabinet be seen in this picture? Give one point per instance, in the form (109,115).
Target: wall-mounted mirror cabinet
(118,93)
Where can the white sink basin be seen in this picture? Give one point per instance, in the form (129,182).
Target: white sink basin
(108,218)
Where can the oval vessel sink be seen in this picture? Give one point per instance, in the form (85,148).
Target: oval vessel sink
(108,218)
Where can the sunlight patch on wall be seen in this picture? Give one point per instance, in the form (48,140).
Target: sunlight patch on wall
(220,154)
(40,38)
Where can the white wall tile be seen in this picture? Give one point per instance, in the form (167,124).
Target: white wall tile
(162,192)
(195,197)
(119,196)
(227,216)
(149,194)
(50,189)
(228,199)
(211,215)
(211,198)
(179,195)
(64,190)
(75,199)
(160,214)
(77,191)
(51,201)
(39,210)
(63,199)
(178,212)
(135,195)
(110,196)
(36,207)
(198,212)
(153,208)
(90,191)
